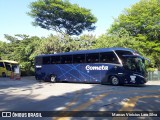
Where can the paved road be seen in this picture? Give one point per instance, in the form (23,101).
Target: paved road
(29,95)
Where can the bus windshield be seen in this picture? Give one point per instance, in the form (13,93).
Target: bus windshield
(135,64)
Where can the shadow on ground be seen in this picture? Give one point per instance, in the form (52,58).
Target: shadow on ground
(96,98)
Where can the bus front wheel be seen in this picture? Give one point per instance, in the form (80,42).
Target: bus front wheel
(53,78)
(114,80)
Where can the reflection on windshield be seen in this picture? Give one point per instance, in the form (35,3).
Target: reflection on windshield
(134,64)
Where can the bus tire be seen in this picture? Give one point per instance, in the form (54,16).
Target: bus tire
(4,74)
(114,80)
(53,78)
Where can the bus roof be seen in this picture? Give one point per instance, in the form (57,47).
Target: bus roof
(89,51)
(9,61)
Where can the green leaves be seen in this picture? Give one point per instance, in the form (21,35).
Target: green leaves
(62,16)
(59,43)
(137,28)
(142,22)
(23,48)
(120,38)
(142,18)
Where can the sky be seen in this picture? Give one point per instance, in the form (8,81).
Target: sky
(14,18)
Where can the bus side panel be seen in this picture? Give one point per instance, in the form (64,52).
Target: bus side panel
(48,70)
(2,70)
(85,73)
(68,72)
(101,72)
(5,70)
(76,73)
(89,74)
(63,72)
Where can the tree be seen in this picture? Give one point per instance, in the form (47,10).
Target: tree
(62,16)
(2,44)
(10,38)
(86,42)
(142,21)
(120,38)
(21,49)
(60,43)
(142,18)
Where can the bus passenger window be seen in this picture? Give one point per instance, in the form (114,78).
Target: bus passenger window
(92,58)
(55,60)
(79,58)
(1,64)
(46,60)
(66,59)
(108,57)
(8,66)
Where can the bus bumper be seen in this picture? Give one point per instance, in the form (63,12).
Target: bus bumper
(135,79)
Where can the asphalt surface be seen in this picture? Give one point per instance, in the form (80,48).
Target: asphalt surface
(94,101)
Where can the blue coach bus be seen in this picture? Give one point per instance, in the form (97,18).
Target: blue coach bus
(114,66)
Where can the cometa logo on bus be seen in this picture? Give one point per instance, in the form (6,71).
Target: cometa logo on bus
(102,67)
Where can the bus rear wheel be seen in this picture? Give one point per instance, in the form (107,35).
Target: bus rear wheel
(114,80)
(53,78)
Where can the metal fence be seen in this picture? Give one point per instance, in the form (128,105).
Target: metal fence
(154,75)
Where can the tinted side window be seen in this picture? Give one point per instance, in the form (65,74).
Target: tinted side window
(108,57)
(38,61)
(13,67)
(66,59)
(1,64)
(55,59)
(46,60)
(79,58)
(120,53)
(8,66)
(92,58)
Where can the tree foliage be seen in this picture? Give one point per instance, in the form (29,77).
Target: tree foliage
(62,16)
(141,18)
(142,22)
(24,48)
(137,28)
(119,38)
(20,48)
(122,38)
